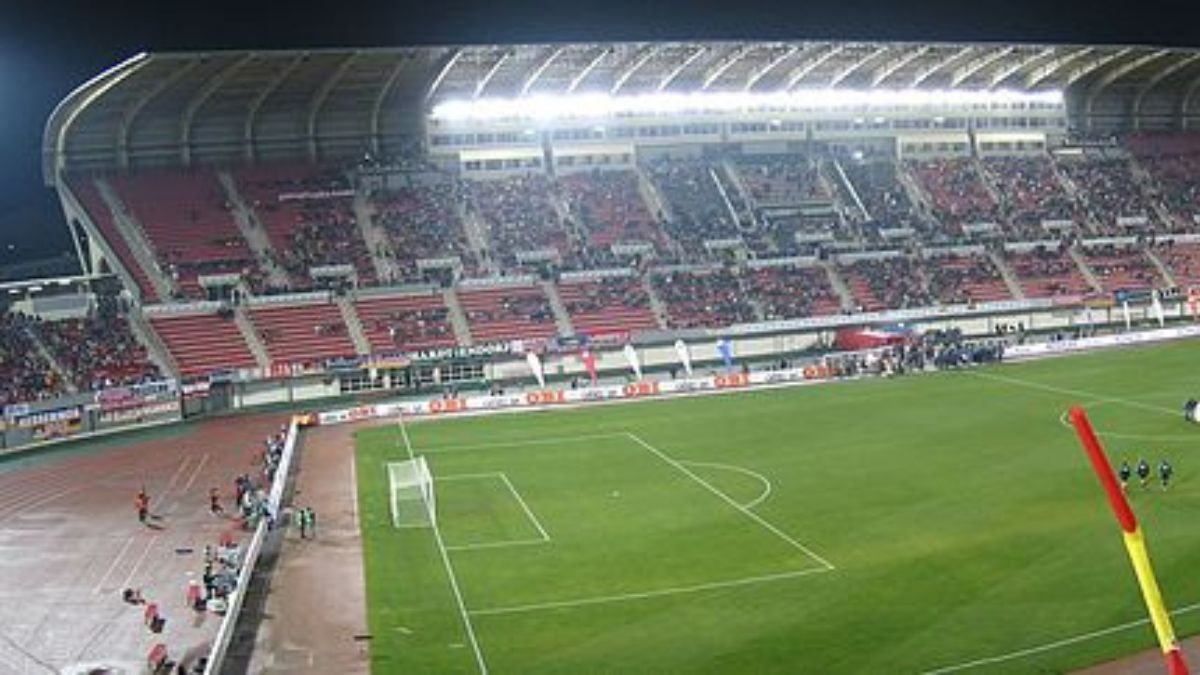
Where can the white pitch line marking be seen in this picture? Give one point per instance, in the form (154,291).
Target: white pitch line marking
(742,470)
(515,444)
(1029,384)
(458,597)
(496,544)
(642,595)
(354,492)
(724,497)
(525,507)
(1082,637)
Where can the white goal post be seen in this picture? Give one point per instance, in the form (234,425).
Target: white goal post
(412,497)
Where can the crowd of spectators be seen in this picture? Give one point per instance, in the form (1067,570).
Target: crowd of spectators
(782,180)
(610,208)
(710,298)
(1173,161)
(603,294)
(699,211)
(520,215)
(416,326)
(24,374)
(422,222)
(1048,271)
(1183,259)
(957,193)
(883,197)
(1110,190)
(1030,193)
(99,350)
(1121,267)
(791,292)
(965,279)
(886,283)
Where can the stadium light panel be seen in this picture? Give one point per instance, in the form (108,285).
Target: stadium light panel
(547,107)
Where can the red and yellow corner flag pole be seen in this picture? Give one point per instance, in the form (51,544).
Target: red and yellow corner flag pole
(1135,543)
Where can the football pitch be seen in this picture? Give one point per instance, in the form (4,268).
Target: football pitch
(936,523)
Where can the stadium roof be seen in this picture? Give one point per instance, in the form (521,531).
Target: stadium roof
(175,108)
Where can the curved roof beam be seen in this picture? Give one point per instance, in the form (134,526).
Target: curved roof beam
(850,69)
(131,113)
(640,60)
(767,67)
(936,67)
(587,70)
(674,73)
(801,71)
(1006,71)
(1188,93)
(1157,78)
(487,77)
(377,106)
(70,108)
(257,101)
(537,72)
(318,101)
(1044,71)
(442,72)
(1110,77)
(1088,68)
(722,66)
(965,71)
(888,69)
(201,97)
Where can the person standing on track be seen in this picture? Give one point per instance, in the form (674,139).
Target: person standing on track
(141,502)
(214,502)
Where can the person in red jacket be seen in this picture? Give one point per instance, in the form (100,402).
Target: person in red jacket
(141,502)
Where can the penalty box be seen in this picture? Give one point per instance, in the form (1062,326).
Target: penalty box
(615,517)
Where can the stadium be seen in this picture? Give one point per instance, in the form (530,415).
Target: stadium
(803,323)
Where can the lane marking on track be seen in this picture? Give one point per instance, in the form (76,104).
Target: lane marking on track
(113,565)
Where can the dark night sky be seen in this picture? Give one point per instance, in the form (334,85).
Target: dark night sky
(48,47)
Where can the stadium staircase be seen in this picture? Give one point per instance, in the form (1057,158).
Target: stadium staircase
(656,303)
(1163,270)
(848,186)
(562,320)
(46,354)
(732,182)
(839,286)
(477,238)
(250,336)
(156,350)
(1006,273)
(135,239)
(1085,270)
(252,231)
(657,204)
(458,318)
(383,257)
(354,327)
(916,194)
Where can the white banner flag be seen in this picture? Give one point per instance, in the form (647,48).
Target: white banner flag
(685,356)
(631,356)
(1158,311)
(535,364)
(1128,320)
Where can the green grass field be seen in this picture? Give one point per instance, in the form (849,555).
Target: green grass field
(900,526)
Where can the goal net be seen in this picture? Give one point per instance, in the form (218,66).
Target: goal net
(412,497)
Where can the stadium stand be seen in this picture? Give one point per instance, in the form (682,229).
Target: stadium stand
(883,197)
(712,298)
(699,211)
(612,305)
(99,350)
(203,343)
(520,216)
(957,192)
(1111,191)
(407,322)
(24,373)
(508,313)
(1031,194)
(308,218)
(1047,272)
(1173,161)
(422,222)
(956,278)
(185,216)
(610,209)
(302,334)
(791,292)
(89,197)
(885,283)
(1121,267)
(1182,259)
(782,180)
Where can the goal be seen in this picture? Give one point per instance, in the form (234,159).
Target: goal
(412,497)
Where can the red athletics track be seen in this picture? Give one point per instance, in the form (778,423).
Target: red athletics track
(70,543)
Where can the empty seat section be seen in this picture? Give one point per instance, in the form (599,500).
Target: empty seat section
(302,334)
(498,314)
(89,197)
(608,306)
(405,322)
(203,343)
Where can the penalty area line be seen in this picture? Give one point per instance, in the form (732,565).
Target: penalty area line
(1049,646)
(1098,398)
(644,595)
